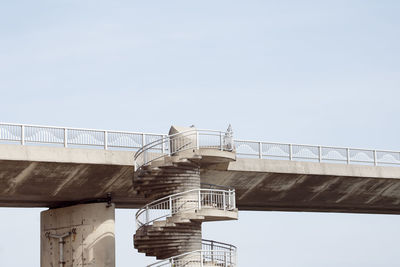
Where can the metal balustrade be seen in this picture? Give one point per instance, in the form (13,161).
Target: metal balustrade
(75,137)
(151,146)
(297,152)
(213,253)
(191,200)
(191,139)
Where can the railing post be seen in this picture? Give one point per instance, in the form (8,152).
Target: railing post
(144,151)
(197,140)
(169,147)
(260,150)
(199,196)
(172,145)
(170,205)
(162,145)
(375,158)
(201,258)
(220,142)
(229,199)
(319,153)
(105,140)
(65,137)
(212,251)
(225,263)
(224,200)
(234,199)
(290,151)
(348,155)
(22,135)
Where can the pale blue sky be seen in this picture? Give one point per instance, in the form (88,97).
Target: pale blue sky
(318,72)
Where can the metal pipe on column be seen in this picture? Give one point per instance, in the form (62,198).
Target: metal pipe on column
(61,243)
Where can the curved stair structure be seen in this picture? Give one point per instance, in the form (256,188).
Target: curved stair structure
(169,227)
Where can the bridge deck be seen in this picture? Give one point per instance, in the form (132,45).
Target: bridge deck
(40,176)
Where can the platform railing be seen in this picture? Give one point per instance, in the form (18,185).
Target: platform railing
(179,142)
(213,253)
(297,152)
(191,200)
(74,137)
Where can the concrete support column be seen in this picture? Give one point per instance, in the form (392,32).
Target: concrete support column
(80,235)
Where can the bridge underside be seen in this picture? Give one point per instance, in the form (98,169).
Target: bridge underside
(313,193)
(308,186)
(28,178)
(55,184)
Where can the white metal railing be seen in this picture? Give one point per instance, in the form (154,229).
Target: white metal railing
(66,137)
(76,137)
(191,200)
(297,152)
(191,139)
(213,253)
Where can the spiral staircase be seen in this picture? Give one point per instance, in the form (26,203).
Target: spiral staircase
(167,173)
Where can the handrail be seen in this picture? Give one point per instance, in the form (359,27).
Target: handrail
(135,141)
(68,136)
(178,142)
(316,153)
(218,257)
(221,254)
(207,242)
(147,146)
(195,199)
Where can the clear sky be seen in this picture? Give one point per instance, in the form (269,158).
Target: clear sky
(318,72)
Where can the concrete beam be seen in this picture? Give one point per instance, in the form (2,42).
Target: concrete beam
(65,155)
(309,186)
(32,176)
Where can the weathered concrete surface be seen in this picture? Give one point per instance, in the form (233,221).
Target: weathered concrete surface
(32,176)
(89,240)
(309,186)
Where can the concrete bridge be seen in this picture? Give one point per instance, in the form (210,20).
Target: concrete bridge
(56,167)
(39,168)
